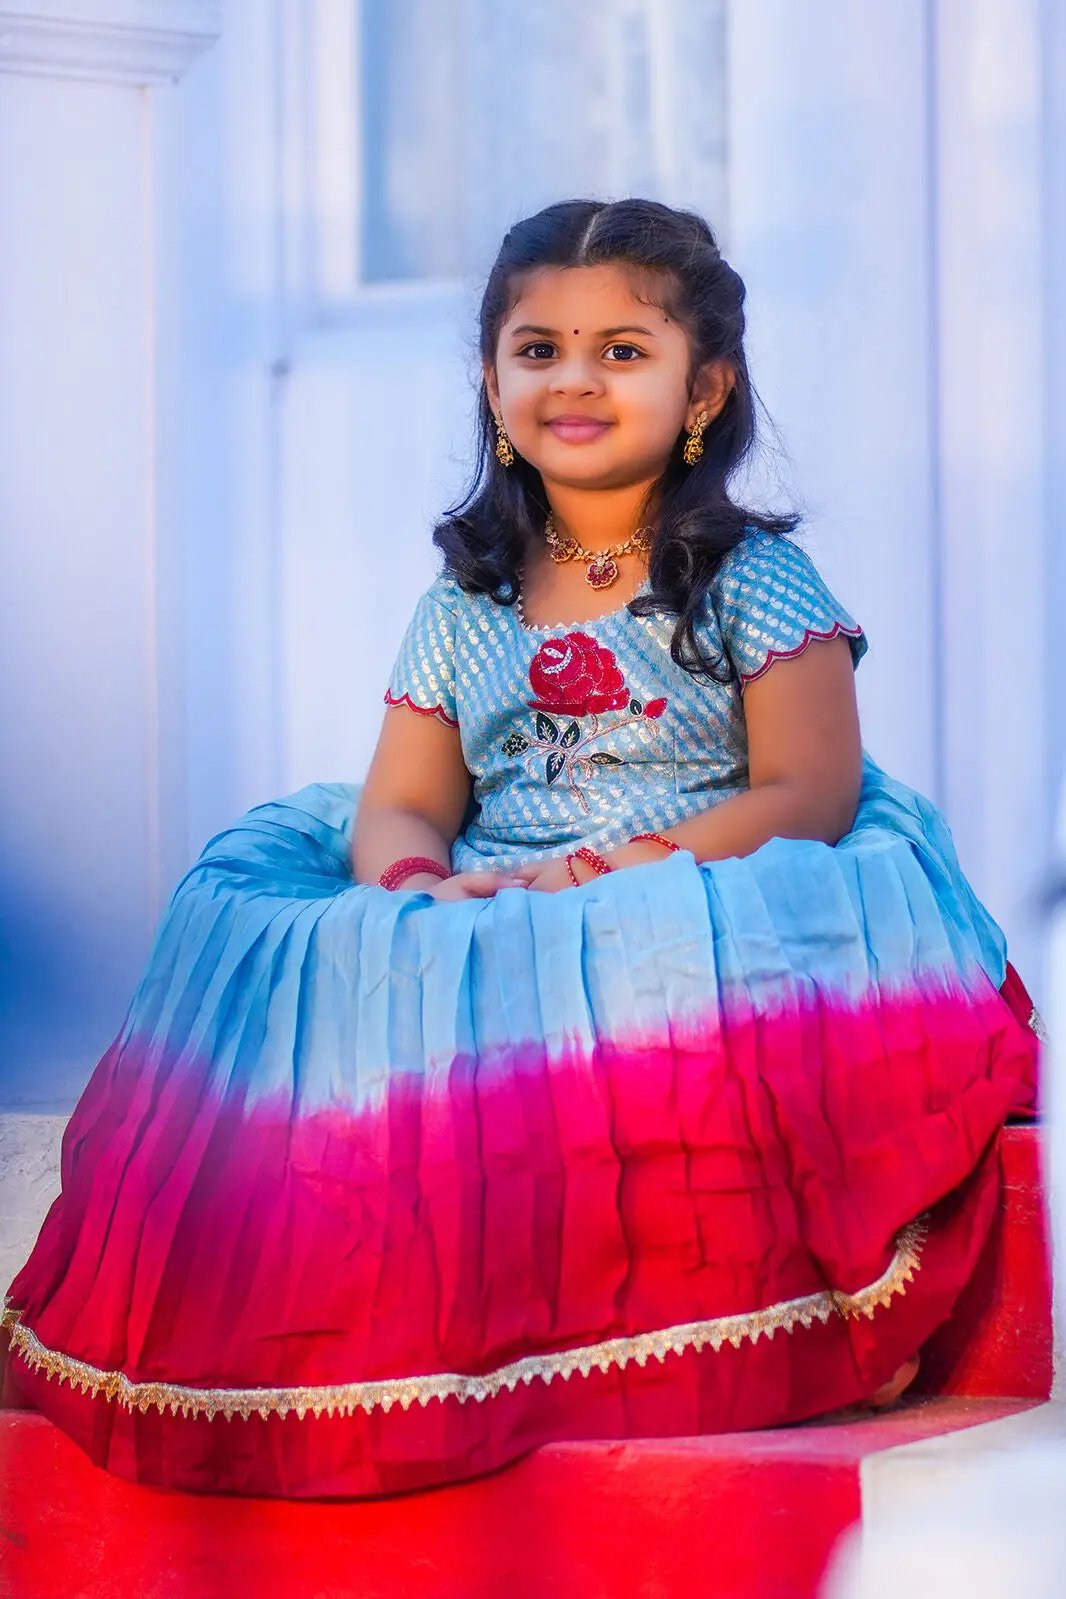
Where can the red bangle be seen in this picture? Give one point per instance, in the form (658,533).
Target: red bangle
(654,838)
(399,871)
(590,858)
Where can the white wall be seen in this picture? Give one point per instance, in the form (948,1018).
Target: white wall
(78,684)
(996,305)
(829,207)
(89,774)
(221,335)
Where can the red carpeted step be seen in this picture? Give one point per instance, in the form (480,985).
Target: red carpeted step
(999,1339)
(742,1516)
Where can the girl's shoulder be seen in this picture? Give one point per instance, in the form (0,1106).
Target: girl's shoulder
(768,601)
(772,559)
(445,594)
(444,609)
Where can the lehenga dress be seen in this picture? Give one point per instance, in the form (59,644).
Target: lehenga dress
(373,1192)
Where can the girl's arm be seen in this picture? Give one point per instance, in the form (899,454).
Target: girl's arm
(414,797)
(804,763)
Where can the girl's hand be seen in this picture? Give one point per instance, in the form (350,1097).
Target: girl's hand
(469,885)
(547,877)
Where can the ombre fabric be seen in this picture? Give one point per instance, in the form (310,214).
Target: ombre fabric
(372,1192)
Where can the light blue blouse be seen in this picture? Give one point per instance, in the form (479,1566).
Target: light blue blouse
(588,732)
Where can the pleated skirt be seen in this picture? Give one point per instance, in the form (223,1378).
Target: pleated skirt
(372,1193)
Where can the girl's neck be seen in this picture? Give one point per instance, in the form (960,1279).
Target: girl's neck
(553,595)
(599,518)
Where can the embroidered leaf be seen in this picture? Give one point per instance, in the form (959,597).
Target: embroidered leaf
(515,744)
(556,762)
(547,729)
(606,760)
(636,707)
(570,736)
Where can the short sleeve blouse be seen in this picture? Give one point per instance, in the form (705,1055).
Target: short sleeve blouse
(587,732)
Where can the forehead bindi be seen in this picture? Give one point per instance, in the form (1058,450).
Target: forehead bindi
(587,304)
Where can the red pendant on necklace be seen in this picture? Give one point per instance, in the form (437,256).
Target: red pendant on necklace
(602,571)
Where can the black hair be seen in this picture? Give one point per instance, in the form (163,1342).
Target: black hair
(484,536)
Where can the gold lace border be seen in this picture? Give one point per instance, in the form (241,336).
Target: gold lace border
(345,1398)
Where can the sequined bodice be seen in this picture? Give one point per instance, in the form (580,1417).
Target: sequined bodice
(590,732)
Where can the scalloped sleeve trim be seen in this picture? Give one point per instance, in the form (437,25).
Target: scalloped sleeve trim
(811,634)
(770,602)
(423,710)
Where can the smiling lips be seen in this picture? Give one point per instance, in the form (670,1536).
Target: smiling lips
(577,429)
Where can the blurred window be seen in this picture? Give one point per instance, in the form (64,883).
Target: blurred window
(412,94)
(472,113)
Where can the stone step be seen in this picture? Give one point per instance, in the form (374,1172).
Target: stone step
(739,1516)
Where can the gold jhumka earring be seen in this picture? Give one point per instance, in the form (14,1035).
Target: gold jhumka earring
(694,443)
(504,447)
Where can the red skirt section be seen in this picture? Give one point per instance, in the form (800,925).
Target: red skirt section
(650,1241)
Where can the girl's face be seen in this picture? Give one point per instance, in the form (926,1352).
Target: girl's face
(592,383)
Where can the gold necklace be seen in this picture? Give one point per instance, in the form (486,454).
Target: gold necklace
(602,566)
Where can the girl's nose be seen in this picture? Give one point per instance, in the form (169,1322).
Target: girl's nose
(576,375)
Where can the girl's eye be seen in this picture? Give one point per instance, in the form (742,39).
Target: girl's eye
(543,344)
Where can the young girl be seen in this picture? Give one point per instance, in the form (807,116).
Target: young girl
(633,1065)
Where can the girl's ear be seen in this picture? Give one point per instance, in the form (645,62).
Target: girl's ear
(711,389)
(492,388)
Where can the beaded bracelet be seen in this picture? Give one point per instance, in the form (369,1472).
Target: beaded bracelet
(399,871)
(590,858)
(654,838)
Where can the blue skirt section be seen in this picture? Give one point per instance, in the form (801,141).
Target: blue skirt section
(289,976)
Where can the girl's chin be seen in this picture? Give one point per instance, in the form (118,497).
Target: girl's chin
(609,474)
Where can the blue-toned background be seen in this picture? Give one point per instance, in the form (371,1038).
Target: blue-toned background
(240,253)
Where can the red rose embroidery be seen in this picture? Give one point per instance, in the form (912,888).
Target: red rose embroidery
(575,676)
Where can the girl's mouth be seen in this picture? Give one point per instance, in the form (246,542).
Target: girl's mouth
(575,430)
